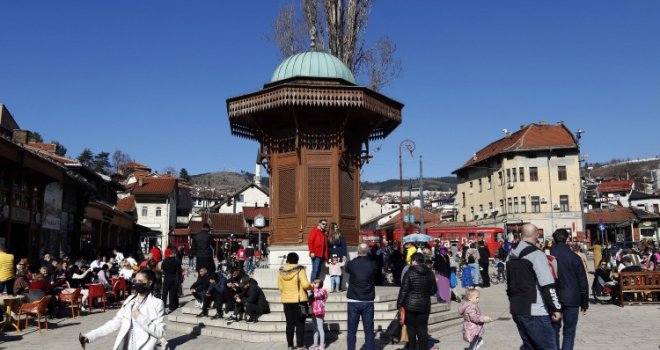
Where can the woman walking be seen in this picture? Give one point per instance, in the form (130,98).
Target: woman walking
(442,269)
(293,284)
(417,287)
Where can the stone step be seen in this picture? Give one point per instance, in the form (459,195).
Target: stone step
(383,294)
(450,320)
(334,312)
(280,326)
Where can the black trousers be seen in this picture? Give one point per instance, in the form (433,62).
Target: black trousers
(217,299)
(417,327)
(199,296)
(254,311)
(170,288)
(295,323)
(485,278)
(205,262)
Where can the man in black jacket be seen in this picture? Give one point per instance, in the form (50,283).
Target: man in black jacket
(201,248)
(199,288)
(252,301)
(484,262)
(573,288)
(361,294)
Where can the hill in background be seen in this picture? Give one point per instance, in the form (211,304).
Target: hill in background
(624,169)
(229,182)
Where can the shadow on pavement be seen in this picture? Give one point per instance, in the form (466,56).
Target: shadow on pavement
(182,339)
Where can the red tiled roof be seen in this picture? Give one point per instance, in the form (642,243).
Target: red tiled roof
(155,185)
(617,214)
(135,165)
(126,204)
(532,137)
(616,186)
(46,147)
(220,223)
(252,212)
(429,217)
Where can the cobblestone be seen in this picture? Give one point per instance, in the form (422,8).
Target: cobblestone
(604,327)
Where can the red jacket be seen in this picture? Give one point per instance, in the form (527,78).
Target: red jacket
(318,243)
(155,254)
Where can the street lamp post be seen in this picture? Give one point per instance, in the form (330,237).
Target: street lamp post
(578,136)
(410,146)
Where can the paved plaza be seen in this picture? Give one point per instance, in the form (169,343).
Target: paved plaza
(604,327)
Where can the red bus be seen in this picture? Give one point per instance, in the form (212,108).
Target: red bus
(452,237)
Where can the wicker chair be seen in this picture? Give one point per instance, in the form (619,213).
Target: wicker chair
(36,308)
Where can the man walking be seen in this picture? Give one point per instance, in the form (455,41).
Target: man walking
(360,296)
(532,293)
(201,248)
(573,288)
(318,248)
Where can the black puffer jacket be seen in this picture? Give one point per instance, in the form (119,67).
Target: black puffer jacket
(417,288)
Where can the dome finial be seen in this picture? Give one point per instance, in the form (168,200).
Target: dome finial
(312,38)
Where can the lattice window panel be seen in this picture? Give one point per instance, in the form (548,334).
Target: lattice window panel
(346,193)
(287,191)
(318,190)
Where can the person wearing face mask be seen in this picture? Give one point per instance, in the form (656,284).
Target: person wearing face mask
(140,320)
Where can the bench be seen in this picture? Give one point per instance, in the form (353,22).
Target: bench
(645,286)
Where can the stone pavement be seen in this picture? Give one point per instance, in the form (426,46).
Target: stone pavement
(604,327)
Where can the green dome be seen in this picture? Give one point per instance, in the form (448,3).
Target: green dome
(313,64)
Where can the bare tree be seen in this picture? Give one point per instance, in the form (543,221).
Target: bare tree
(338,26)
(170,170)
(119,161)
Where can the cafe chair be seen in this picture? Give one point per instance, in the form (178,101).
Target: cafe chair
(96,290)
(36,308)
(72,299)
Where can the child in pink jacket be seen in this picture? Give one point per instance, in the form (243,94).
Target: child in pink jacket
(473,321)
(319,297)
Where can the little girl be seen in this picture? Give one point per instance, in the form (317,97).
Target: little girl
(473,321)
(319,297)
(334,269)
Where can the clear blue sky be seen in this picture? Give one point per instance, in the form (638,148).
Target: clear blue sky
(151,77)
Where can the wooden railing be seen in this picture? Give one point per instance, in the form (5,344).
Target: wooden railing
(644,285)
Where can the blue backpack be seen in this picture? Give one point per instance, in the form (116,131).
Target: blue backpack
(466,277)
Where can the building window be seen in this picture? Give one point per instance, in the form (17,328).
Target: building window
(509,205)
(533,173)
(499,180)
(536,204)
(490,182)
(490,206)
(513,173)
(515,205)
(472,213)
(508,175)
(481,208)
(480,186)
(521,174)
(464,218)
(501,204)
(561,172)
(158,211)
(563,202)
(241,198)
(463,199)
(145,211)
(471,185)
(523,204)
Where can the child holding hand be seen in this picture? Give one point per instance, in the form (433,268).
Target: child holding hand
(473,320)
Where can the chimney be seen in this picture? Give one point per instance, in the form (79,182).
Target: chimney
(140,182)
(543,122)
(20,136)
(257,174)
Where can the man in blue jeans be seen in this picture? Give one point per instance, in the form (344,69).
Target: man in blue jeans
(533,300)
(361,294)
(573,288)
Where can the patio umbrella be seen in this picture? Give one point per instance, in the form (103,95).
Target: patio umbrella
(417,237)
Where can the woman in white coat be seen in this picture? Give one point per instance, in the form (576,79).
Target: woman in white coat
(140,320)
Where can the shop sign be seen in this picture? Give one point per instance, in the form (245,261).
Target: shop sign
(20,215)
(53,206)
(608,199)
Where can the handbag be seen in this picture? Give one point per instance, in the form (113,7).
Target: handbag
(304,308)
(394,329)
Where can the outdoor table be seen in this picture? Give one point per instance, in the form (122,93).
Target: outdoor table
(10,302)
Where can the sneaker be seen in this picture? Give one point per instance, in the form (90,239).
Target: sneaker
(251,320)
(480,343)
(203,314)
(217,317)
(232,319)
